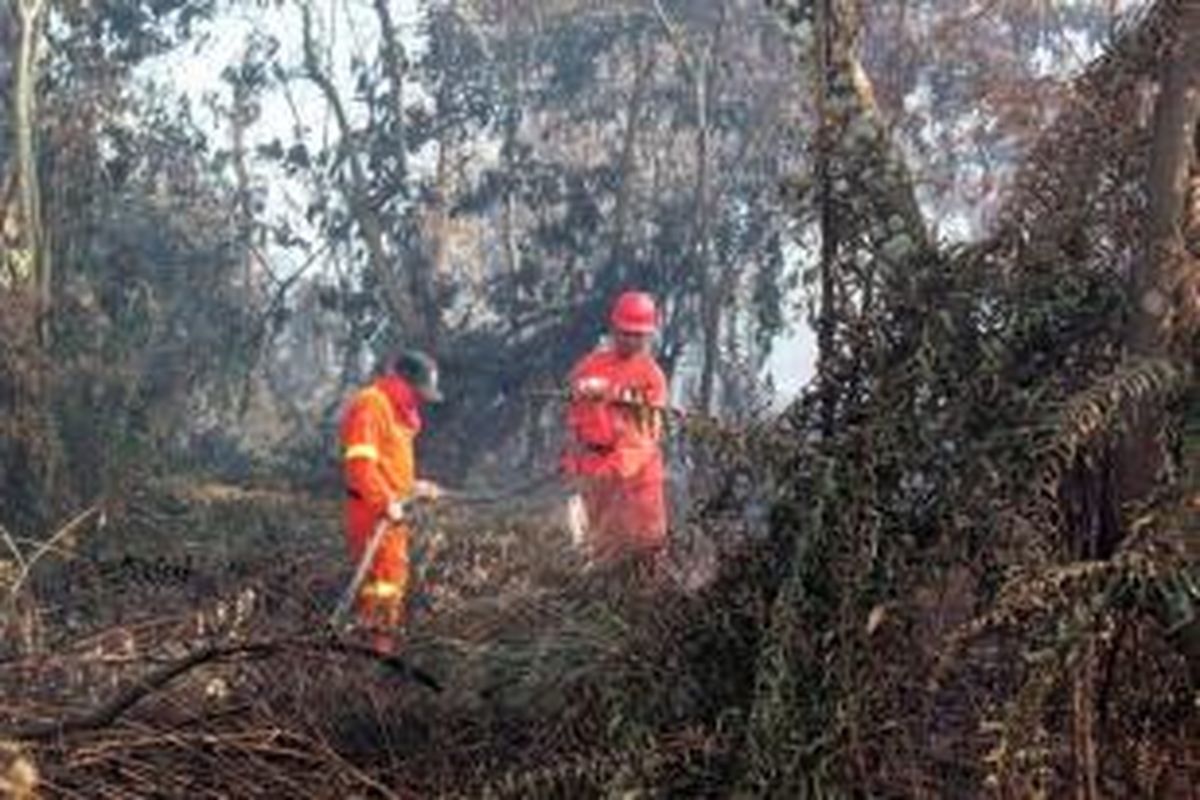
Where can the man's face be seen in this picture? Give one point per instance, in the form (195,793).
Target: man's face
(630,344)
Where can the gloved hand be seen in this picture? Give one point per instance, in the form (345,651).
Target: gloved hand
(590,388)
(577,521)
(426,490)
(395,511)
(637,406)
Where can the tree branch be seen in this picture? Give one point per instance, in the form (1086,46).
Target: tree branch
(47,546)
(358,193)
(676,39)
(108,713)
(396,62)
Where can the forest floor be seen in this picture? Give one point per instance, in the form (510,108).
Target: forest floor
(177,645)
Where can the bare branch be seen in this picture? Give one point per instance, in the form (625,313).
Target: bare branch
(108,713)
(357,193)
(12,547)
(49,545)
(396,61)
(676,38)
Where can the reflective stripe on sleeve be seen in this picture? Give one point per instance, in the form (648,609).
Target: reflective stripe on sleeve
(367,451)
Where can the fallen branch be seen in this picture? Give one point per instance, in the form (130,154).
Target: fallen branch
(108,713)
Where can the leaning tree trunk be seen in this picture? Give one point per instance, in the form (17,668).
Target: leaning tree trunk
(357,191)
(424,271)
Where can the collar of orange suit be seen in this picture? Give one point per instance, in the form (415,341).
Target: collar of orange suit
(405,401)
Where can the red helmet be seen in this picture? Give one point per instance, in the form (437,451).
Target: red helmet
(634,312)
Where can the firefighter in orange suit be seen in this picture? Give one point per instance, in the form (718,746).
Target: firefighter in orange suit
(615,448)
(379,426)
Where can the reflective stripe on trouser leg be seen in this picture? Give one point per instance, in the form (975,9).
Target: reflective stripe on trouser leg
(381,604)
(381,598)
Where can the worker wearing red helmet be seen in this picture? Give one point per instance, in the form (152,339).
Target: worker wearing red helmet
(615,447)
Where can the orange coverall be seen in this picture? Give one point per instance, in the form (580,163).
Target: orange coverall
(618,460)
(377,432)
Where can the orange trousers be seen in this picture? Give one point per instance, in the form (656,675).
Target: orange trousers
(625,518)
(381,600)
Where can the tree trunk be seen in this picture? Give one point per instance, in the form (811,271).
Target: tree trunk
(1167,271)
(827,381)
(508,210)
(424,272)
(700,73)
(714,288)
(357,192)
(1173,152)
(710,306)
(508,218)
(1161,271)
(697,70)
(443,187)
(629,139)
(436,242)
(239,120)
(33,265)
(8,176)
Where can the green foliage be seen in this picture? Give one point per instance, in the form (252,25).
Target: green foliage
(149,328)
(979,400)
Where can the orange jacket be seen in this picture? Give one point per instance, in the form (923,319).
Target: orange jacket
(617,456)
(379,427)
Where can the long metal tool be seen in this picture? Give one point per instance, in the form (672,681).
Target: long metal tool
(448,495)
(631,403)
(360,573)
(496,497)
